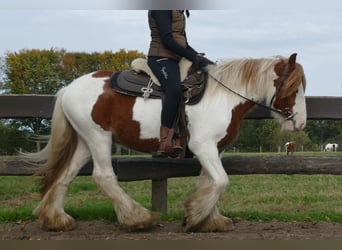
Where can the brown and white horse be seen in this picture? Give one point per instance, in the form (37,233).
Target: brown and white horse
(290,147)
(89,117)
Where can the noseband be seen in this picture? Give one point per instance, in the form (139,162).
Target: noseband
(287,113)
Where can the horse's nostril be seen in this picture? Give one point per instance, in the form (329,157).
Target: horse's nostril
(300,127)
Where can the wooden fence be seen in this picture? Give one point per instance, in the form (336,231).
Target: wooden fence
(159,170)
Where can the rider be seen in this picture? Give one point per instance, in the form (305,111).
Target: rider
(168,45)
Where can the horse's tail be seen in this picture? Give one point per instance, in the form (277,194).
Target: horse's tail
(59,150)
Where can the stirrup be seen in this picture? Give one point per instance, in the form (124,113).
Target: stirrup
(177,148)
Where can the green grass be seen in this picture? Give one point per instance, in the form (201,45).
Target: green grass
(297,153)
(251,197)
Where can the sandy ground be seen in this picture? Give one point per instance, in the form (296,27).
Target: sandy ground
(171,230)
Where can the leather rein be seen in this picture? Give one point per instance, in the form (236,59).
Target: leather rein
(286,113)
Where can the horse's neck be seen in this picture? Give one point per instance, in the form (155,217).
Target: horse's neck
(258,87)
(232,84)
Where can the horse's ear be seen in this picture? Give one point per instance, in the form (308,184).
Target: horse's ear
(292,59)
(291,83)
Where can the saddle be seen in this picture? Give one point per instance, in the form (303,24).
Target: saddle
(140,81)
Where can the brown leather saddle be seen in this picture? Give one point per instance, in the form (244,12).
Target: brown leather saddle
(130,82)
(141,82)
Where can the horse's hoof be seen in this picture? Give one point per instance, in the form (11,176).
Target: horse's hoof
(150,223)
(216,223)
(59,223)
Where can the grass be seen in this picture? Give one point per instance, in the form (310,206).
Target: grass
(251,197)
(298,153)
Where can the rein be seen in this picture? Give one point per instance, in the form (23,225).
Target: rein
(286,113)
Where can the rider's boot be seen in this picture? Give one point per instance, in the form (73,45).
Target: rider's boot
(167,146)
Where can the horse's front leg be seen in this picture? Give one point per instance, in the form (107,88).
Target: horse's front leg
(201,213)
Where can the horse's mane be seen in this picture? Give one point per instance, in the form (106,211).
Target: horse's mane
(252,74)
(292,83)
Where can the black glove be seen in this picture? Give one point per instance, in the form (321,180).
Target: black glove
(201,62)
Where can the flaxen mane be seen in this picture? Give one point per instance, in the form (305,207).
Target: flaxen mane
(292,83)
(254,73)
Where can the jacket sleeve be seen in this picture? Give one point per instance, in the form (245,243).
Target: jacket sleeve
(163,19)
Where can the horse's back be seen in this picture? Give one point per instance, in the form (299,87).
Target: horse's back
(87,85)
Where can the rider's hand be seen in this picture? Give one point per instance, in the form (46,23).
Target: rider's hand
(201,62)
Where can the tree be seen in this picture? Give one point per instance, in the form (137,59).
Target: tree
(267,136)
(31,72)
(248,139)
(13,140)
(74,65)
(46,71)
(323,131)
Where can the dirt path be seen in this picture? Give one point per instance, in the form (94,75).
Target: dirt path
(244,230)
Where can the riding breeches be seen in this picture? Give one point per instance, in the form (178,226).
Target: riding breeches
(168,74)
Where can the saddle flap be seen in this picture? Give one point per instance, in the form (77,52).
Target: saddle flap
(130,82)
(194,86)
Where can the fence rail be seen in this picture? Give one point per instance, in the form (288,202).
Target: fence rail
(159,170)
(25,106)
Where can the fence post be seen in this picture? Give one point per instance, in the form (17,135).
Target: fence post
(159,195)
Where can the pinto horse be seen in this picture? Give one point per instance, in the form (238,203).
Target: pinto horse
(331,147)
(89,117)
(290,147)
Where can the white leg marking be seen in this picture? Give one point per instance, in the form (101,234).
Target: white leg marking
(50,210)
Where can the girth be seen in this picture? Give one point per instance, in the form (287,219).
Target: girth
(129,82)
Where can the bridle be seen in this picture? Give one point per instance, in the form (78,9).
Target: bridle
(287,113)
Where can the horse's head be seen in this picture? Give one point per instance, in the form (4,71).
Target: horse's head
(288,95)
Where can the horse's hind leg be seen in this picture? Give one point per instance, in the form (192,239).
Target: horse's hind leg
(201,213)
(50,211)
(129,213)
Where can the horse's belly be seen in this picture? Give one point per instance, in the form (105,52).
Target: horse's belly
(147,113)
(136,124)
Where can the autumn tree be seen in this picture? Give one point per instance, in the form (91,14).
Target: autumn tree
(74,65)
(31,72)
(46,71)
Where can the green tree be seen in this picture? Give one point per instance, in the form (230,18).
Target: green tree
(267,136)
(248,139)
(31,72)
(12,139)
(323,131)
(301,139)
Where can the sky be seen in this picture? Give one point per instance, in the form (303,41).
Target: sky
(224,30)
